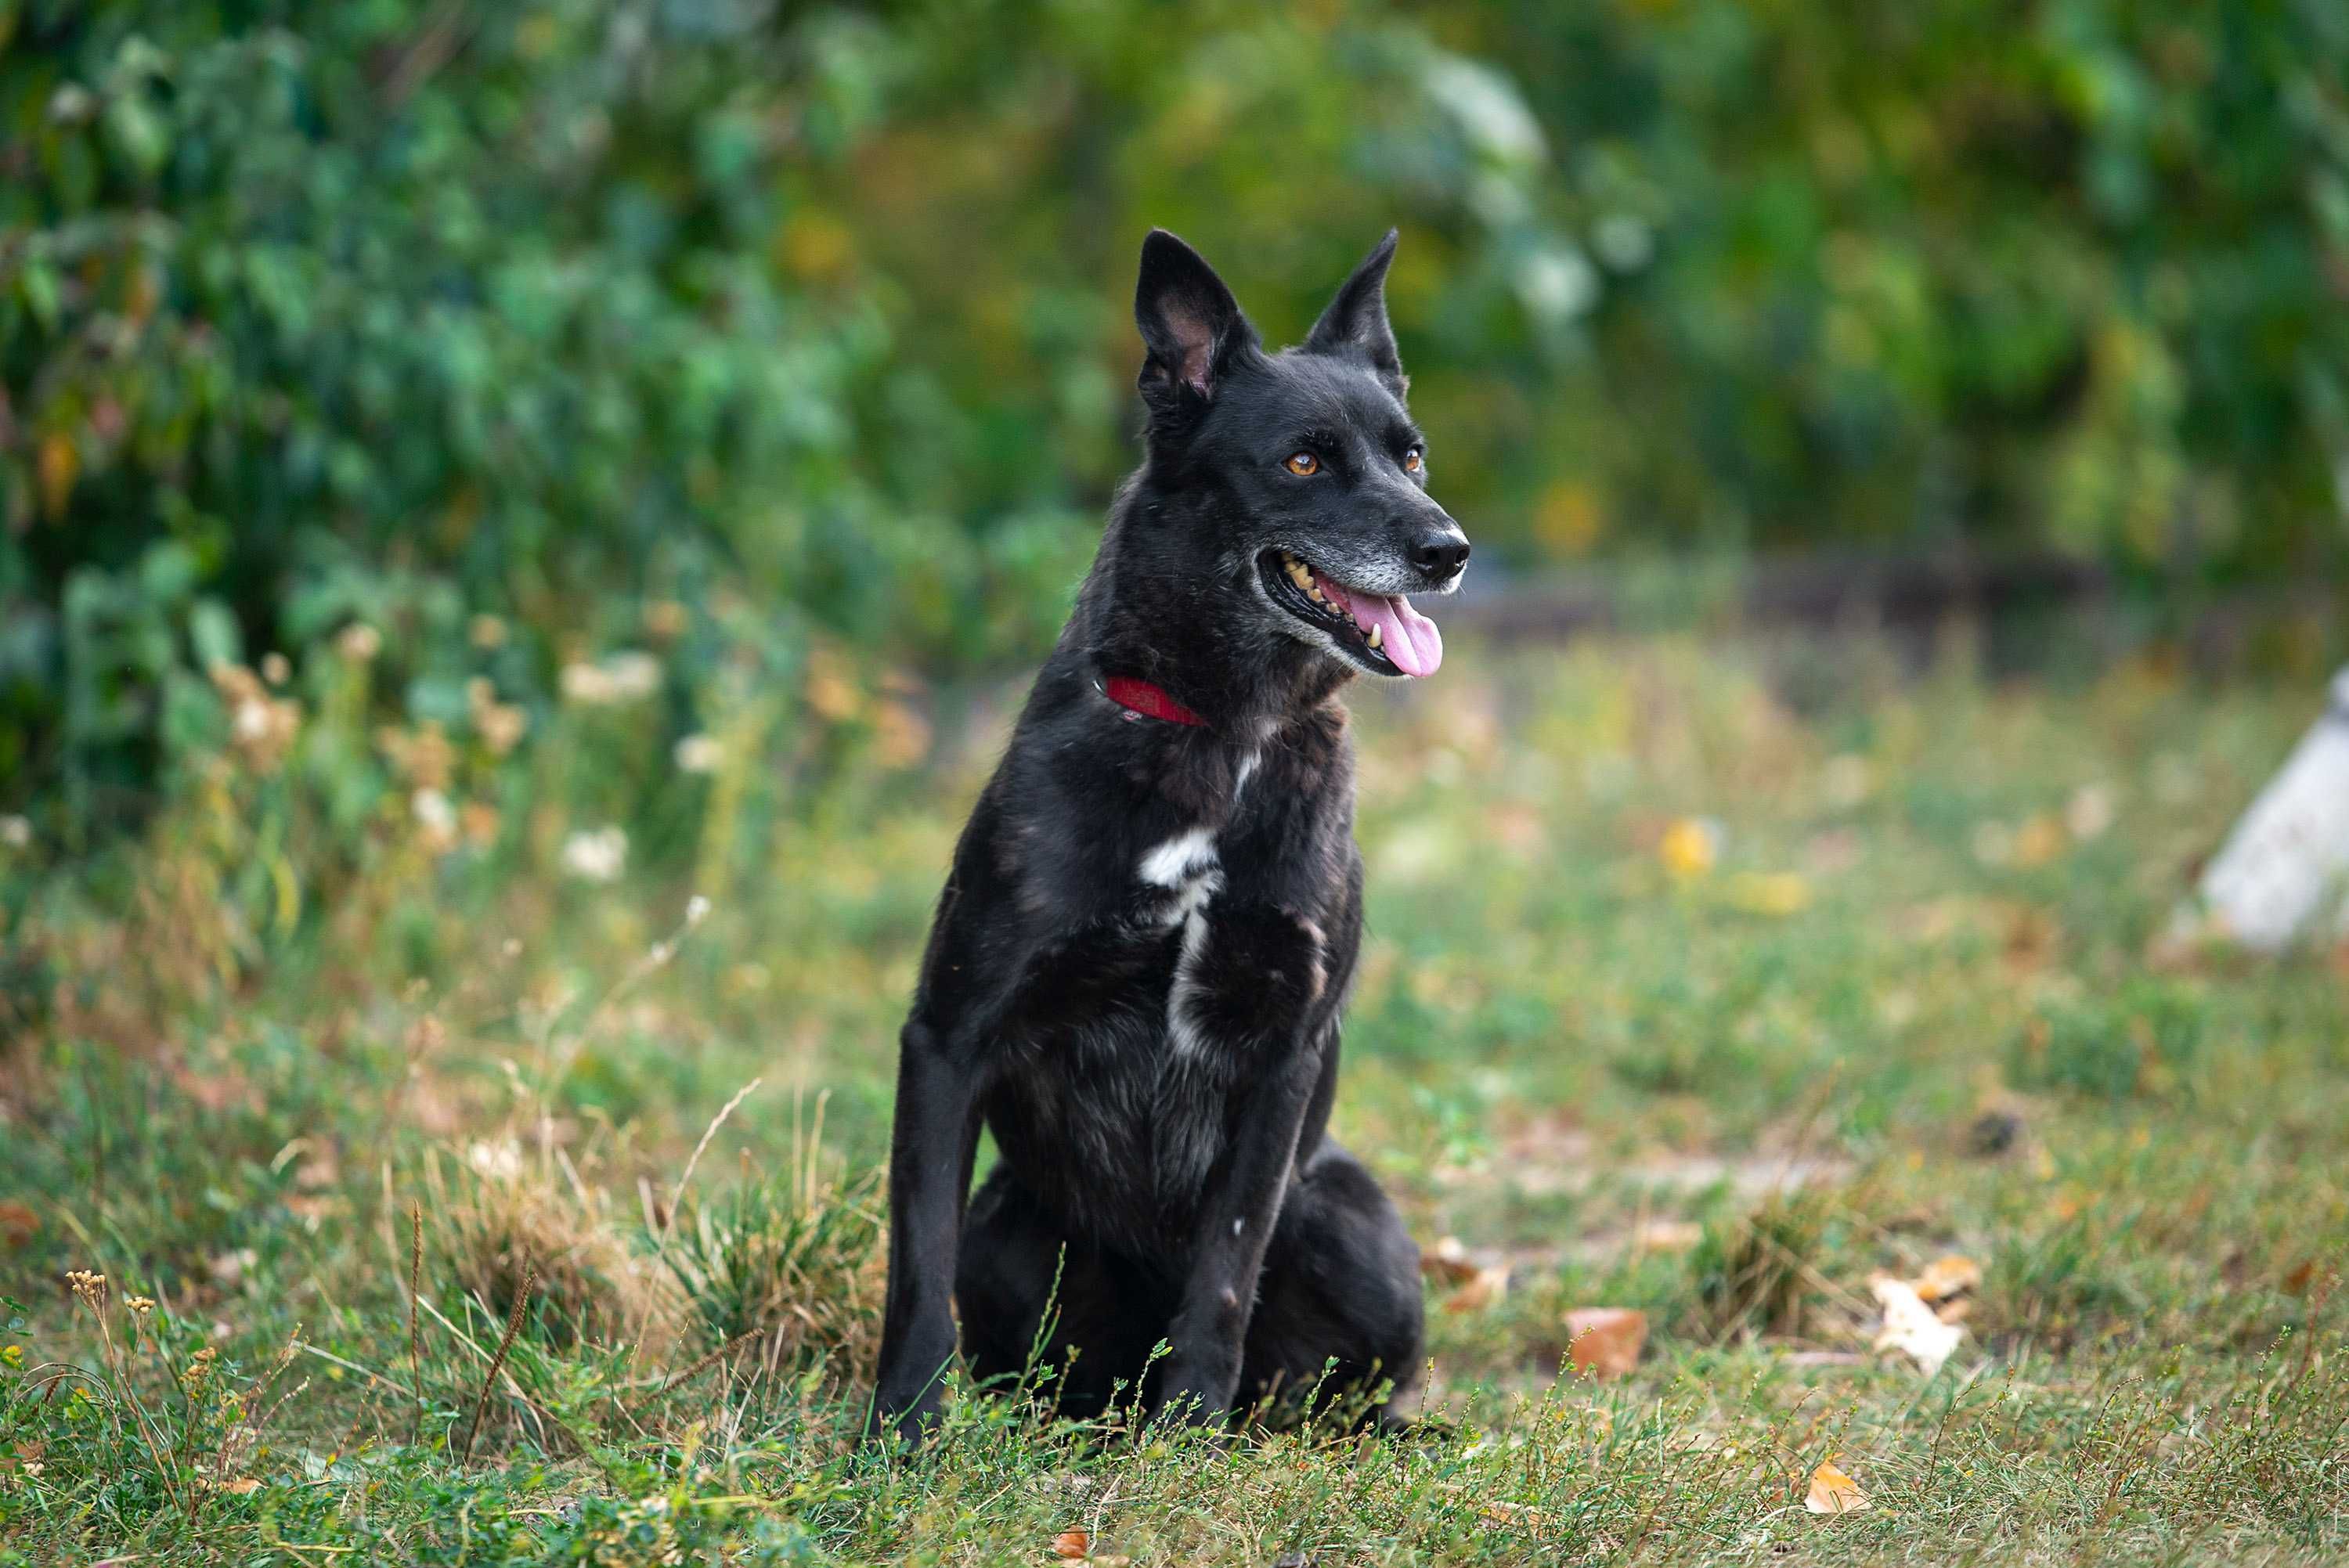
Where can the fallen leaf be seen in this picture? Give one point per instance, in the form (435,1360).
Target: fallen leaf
(1606,1341)
(18,1224)
(1448,1260)
(1832,1491)
(1948,1276)
(1484,1288)
(1074,1545)
(1667,1236)
(1910,1327)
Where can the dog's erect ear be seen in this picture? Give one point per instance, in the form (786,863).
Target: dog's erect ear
(1190,323)
(1356,322)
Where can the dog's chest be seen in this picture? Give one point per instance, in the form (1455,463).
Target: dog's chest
(1124,1106)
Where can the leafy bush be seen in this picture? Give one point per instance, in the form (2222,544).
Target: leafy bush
(522,337)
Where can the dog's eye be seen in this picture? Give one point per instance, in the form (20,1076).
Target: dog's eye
(1411,461)
(1302,463)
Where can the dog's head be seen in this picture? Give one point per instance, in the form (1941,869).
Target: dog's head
(1317,476)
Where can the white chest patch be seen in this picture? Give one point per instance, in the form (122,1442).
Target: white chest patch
(1187,865)
(1178,859)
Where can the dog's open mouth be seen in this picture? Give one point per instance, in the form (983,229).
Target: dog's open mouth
(1380,632)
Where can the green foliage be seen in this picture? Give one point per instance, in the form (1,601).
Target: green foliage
(2137,1042)
(725,327)
(392,314)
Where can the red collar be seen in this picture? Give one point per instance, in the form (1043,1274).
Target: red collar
(1142,700)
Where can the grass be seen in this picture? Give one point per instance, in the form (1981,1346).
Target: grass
(1677,997)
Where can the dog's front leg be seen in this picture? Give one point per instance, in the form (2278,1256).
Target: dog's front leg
(1210,1327)
(933,1142)
(942,1075)
(1266,984)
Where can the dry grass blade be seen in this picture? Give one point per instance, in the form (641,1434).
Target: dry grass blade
(676,1193)
(702,1363)
(416,1293)
(498,1361)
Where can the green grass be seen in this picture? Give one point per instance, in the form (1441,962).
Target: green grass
(1911,1008)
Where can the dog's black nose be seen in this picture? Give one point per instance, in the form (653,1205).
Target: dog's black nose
(1441,555)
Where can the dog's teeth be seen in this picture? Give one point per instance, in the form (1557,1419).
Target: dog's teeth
(1375,634)
(1319,598)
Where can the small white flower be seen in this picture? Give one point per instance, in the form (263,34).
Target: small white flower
(432,811)
(633,673)
(696,910)
(596,856)
(358,641)
(499,1160)
(586,685)
(699,754)
(2090,811)
(16,833)
(626,677)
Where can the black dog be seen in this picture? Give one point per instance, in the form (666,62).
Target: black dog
(1136,970)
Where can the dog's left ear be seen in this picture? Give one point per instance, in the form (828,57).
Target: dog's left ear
(1356,322)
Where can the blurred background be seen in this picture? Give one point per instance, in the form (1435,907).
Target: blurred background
(792,344)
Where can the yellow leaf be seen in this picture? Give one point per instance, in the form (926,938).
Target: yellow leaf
(1074,1545)
(1948,1276)
(1606,1341)
(59,464)
(1832,1491)
(1771,892)
(831,688)
(2039,841)
(1690,847)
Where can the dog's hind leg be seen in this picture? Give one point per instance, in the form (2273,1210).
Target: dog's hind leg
(1340,1283)
(1080,1317)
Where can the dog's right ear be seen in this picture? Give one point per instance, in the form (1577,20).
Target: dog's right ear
(1190,326)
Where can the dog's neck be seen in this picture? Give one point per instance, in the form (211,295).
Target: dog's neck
(1201,635)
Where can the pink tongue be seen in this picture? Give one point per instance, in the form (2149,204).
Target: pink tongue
(1405,635)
